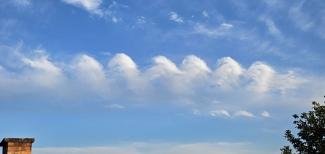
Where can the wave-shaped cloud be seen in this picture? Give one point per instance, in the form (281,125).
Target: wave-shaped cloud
(193,83)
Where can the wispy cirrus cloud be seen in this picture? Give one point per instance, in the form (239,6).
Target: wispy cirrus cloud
(301,19)
(272,28)
(22,3)
(96,7)
(92,6)
(221,30)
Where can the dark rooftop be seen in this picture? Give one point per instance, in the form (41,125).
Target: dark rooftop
(19,140)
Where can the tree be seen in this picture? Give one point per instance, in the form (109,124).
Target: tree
(286,150)
(311,131)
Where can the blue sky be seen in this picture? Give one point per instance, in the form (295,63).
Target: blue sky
(152,77)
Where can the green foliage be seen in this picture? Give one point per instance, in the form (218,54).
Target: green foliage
(311,131)
(286,150)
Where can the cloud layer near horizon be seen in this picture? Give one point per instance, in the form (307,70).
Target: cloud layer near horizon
(147,148)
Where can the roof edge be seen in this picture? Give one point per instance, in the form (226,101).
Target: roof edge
(17,140)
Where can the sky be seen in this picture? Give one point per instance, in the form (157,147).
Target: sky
(158,76)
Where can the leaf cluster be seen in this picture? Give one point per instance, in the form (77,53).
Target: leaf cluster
(310,138)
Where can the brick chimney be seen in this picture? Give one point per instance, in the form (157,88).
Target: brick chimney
(17,145)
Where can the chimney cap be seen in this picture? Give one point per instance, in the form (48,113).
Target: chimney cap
(19,140)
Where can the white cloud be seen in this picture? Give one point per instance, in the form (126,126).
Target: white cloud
(43,71)
(92,6)
(306,19)
(141,20)
(89,71)
(219,113)
(167,76)
(112,12)
(234,114)
(160,148)
(243,113)
(114,19)
(173,16)
(122,63)
(227,74)
(226,26)
(285,82)
(191,83)
(221,30)
(272,28)
(163,67)
(205,14)
(265,114)
(301,19)
(262,76)
(122,67)
(112,16)
(194,67)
